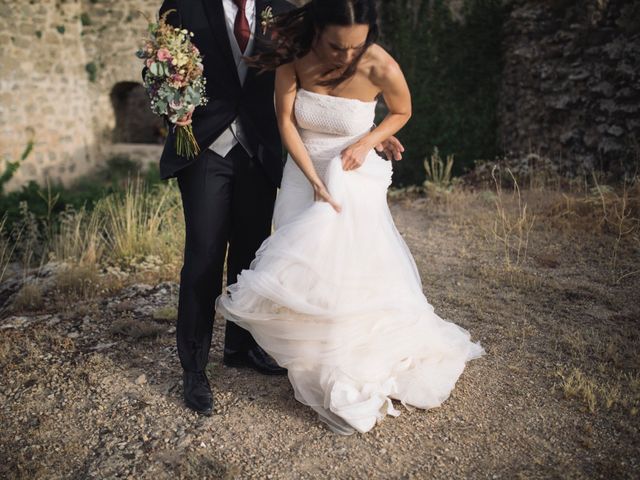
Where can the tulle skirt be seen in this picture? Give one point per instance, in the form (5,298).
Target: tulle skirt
(336,298)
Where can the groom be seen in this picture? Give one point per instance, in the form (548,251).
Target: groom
(228,191)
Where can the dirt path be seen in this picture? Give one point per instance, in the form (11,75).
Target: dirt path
(93,392)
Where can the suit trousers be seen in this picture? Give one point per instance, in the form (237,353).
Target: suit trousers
(228,205)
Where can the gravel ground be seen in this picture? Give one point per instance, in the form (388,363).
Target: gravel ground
(93,390)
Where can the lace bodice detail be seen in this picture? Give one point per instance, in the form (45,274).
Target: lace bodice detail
(328,124)
(341,116)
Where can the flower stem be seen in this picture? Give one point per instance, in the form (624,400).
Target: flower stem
(186,144)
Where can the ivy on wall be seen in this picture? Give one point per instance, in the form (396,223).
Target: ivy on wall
(92,71)
(453,69)
(85,19)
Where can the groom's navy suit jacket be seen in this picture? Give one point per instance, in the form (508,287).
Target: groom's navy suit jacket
(251,101)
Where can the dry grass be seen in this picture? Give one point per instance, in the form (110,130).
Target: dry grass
(167,314)
(7,248)
(134,236)
(28,298)
(438,174)
(79,238)
(137,223)
(80,283)
(610,213)
(621,215)
(136,328)
(595,393)
(511,229)
(537,198)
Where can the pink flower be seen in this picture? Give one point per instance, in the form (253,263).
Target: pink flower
(177,78)
(164,54)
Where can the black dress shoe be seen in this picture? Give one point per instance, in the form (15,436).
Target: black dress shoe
(255,358)
(197,392)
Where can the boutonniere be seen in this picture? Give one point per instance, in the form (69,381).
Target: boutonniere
(266,19)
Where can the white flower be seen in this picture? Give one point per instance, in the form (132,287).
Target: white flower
(176,105)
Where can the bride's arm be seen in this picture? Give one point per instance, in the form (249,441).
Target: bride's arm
(389,78)
(285,95)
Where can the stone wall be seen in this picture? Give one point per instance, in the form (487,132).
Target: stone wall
(60,61)
(571,83)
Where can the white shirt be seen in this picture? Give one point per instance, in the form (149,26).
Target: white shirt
(234,133)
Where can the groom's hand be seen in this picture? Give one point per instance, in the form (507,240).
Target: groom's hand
(392,148)
(184,121)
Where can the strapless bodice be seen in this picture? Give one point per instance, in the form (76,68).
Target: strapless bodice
(327,124)
(327,114)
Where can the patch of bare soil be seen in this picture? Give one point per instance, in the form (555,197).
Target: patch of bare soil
(90,386)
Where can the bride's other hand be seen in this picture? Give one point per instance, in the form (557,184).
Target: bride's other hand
(320,193)
(391,148)
(353,156)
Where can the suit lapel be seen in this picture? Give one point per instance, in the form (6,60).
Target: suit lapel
(258,36)
(257,27)
(216,17)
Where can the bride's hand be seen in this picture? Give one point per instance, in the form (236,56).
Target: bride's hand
(320,193)
(353,156)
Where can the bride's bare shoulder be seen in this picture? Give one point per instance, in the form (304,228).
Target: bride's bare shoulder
(380,64)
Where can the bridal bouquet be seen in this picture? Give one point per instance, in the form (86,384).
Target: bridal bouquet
(174,79)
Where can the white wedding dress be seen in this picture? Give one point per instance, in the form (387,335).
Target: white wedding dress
(336,298)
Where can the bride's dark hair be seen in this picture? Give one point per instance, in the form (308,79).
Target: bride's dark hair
(294,32)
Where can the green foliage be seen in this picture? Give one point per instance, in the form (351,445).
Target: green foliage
(119,169)
(31,194)
(11,167)
(629,20)
(437,173)
(60,29)
(453,70)
(85,19)
(38,34)
(92,70)
(138,225)
(560,5)
(51,201)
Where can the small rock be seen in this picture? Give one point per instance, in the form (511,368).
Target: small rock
(604,88)
(615,130)
(141,380)
(102,346)
(53,321)
(579,75)
(186,441)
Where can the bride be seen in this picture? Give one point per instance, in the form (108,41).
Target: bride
(334,295)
